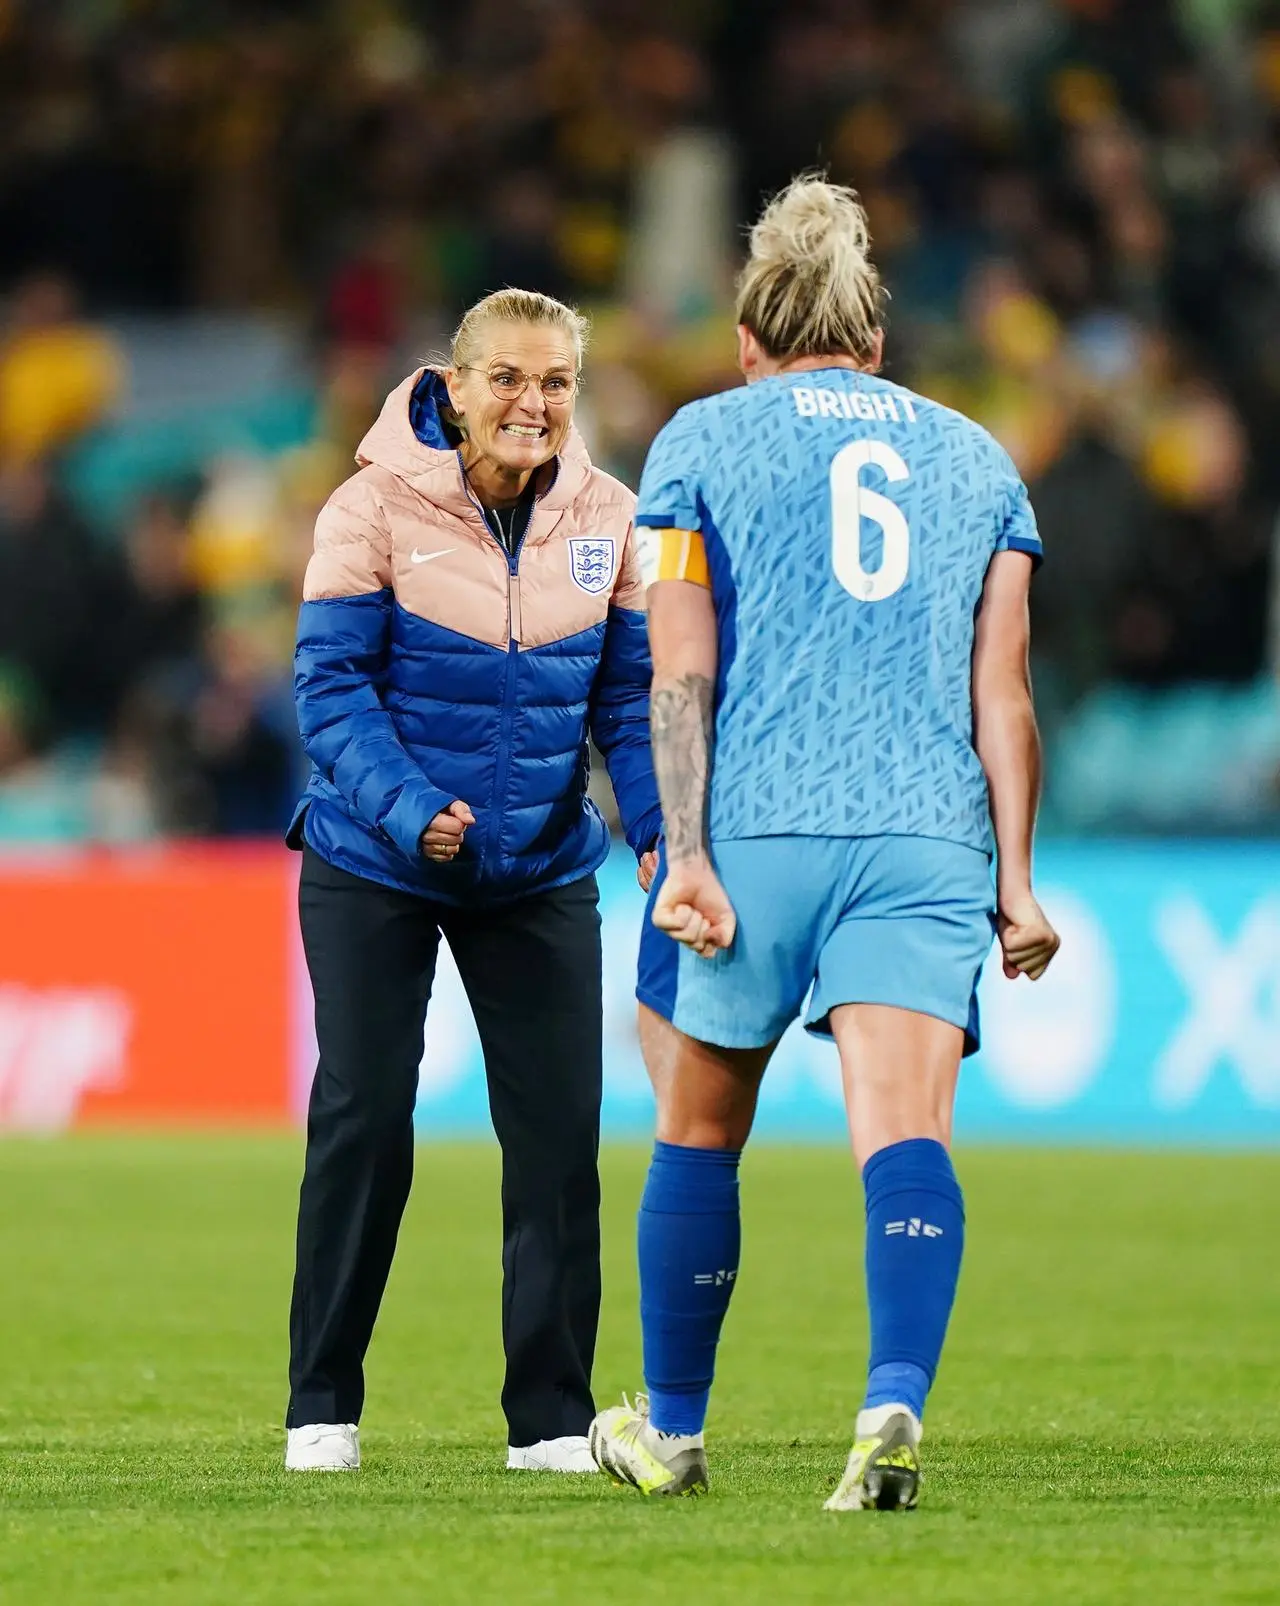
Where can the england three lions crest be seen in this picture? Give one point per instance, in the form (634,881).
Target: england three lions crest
(591,563)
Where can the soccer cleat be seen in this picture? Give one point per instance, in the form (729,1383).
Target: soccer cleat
(631,1450)
(323,1447)
(883,1471)
(569,1454)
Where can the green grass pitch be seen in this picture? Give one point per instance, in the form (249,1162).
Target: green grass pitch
(1106,1427)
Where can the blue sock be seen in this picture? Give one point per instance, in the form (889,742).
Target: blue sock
(915,1238)
(688,1237)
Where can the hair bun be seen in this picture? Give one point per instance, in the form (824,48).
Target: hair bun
(809,287)
(811,218)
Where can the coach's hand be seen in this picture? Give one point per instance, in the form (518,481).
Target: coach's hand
(443,837)
(1027,940)
(694,908)
(647,869)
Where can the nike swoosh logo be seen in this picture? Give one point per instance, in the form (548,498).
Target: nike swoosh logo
(425,557)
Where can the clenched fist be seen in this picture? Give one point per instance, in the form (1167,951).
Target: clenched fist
(694,908)
(442,839)
(1027,940)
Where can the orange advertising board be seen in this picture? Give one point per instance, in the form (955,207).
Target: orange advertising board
(146,985)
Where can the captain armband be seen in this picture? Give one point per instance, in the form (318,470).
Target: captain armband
(672,555)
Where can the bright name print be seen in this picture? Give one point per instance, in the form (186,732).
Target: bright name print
(873,406)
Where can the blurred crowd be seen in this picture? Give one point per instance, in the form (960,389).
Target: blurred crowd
(1076,206)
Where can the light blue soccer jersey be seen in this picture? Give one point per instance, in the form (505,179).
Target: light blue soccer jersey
(848,526)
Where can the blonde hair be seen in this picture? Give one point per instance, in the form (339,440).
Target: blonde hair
(516,306)
(809,287)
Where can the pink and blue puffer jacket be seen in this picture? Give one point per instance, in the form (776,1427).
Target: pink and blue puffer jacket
(430,666)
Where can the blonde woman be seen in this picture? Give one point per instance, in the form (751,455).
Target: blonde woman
(833,739)
(473,613)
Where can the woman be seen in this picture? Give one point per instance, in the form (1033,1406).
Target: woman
(841,713)
(472,613)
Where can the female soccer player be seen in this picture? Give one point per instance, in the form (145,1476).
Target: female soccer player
(841,710)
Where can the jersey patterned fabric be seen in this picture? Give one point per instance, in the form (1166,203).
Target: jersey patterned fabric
(846,525)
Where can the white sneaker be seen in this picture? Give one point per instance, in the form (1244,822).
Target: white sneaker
(323,1447)
(570,1454)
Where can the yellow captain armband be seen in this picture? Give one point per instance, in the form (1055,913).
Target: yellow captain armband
(673,555)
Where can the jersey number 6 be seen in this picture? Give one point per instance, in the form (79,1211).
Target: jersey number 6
(851,502)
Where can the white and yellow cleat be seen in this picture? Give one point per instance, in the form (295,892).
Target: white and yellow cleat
(632,1451)
(883,1470)
(323,1447)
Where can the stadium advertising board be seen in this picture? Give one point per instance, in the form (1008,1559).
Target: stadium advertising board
(167,985)
(149,986)
(1158,1022)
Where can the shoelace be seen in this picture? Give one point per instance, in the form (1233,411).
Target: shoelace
(640,1418)
(641,1421)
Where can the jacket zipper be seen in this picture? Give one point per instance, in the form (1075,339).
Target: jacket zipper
(513,650)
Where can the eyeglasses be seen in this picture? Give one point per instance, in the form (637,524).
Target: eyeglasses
(509,384)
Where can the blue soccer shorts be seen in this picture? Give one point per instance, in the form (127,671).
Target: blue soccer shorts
(905,921)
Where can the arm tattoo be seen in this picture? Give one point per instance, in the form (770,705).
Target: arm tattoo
(680,724)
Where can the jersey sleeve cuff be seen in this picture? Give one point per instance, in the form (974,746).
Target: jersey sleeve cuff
(664,521)
(1016,543)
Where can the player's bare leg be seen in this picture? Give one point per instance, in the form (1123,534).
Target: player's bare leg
(899,1070)
(688,1256)
(706,1095)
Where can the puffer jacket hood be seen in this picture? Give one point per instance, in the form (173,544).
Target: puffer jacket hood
(433,666)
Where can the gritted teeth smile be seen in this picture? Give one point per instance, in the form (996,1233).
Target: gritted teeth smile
(526,432)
